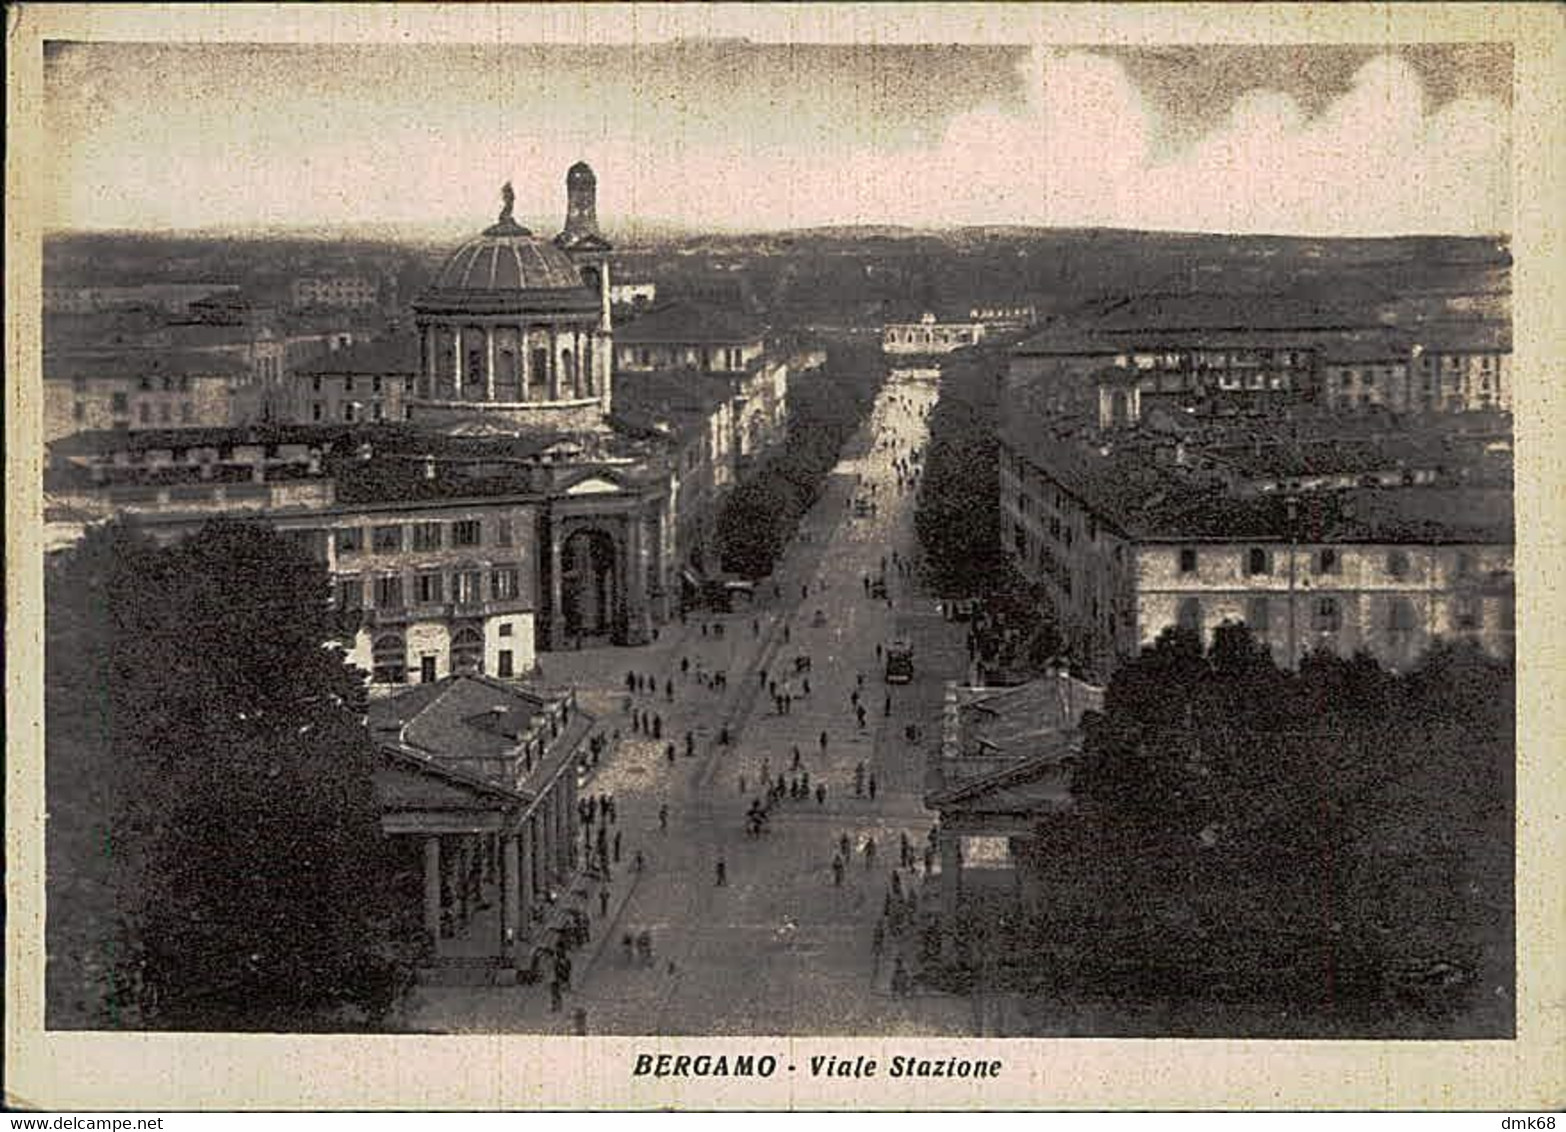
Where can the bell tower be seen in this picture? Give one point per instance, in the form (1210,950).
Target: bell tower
(581,240)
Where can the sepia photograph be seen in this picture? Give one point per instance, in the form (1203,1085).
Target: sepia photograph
(869,550)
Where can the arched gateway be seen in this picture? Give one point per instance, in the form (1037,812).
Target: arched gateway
(589,591)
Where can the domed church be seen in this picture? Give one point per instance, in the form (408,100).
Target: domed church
(515,331)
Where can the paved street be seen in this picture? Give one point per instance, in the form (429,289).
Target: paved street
(778,948)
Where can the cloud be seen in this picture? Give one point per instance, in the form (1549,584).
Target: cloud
(1376,160)
(1373,161)
(1083,146)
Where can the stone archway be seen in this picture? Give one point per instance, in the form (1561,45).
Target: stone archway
(589,589)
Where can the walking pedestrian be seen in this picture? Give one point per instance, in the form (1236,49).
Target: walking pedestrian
(823,742)
(690,744)
(869,852)
(663,818)
(837,871)
(722,871)
(872,787)
(638,862)
(668,690)
(795,764)
(821,794)
(843,846)
(556,998)
(603,902)
(669,751)
(657,727)
(807,685)
(742,784)
(886,708)
(617,846)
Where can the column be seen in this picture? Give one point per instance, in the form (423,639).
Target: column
(454,886)
(554,365)
(636,627)
(432,888)
(562,830)
(525,360)
(510,896)
(568,805)
(556,610)
(525,877)
(548,839)
(951,875)
(456,358)
(489,363)
(530,878)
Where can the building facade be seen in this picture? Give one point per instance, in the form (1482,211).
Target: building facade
(370,381)
(139,390)
(1387,571)
(477,788)
(707,343)
(353,292)
(928,336)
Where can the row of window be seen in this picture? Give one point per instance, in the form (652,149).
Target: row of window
(389,657)
(1327,614)
(187,412)
(431,587)
(349,382)
(1258,560)
(393,538)
(350,411)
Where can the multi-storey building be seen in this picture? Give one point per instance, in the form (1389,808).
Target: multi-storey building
(1126,544)
(369,381)
(685,338)
(477,791)
(1461,367)
(351,291)
(1265,354)
(142,389)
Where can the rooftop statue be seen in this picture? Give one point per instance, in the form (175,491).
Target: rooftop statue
(507,199)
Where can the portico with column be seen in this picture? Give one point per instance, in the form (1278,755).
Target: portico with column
(491,860)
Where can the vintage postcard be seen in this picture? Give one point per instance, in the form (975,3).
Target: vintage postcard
(825,557)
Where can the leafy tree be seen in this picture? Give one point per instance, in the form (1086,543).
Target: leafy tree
(1335,842)
(210,771)
(826,407)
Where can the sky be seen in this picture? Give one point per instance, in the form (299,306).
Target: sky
(733,135)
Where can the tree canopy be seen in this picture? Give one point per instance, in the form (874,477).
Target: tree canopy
(215,856)
(1336,841)
(825,408)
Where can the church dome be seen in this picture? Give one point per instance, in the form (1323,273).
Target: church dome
(507,269)
(508,261)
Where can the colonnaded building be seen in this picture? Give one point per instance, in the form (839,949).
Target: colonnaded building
(516,501)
